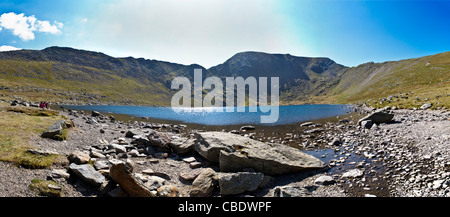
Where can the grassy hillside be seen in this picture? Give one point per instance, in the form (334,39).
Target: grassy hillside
(406,84)
(68,75)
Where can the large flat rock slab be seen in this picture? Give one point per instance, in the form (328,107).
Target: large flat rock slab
(235,153)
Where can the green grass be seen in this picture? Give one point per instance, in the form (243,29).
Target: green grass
(63,136)
(43,189)
(32,111)
(16,131)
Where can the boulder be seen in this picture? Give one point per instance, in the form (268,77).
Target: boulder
(132,132)
(42,152)
(190,175)
(354,173)
(377,117)
(315,130)
(117,148)
(55,131)
(59,174)
(324,180)
(153,182)
(204,184)
(291,191)
(209,144)
(307,124)
(96,114)
(237,183)
(426,106)
(247,127)
(88,174)
(182,145)
(121,174)
(168,191)
(159,139)
(235,153)
(79,157)
(367,124)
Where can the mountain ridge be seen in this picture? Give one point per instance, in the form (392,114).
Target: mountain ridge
(70,75)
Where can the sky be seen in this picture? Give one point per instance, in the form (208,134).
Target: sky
(208,32)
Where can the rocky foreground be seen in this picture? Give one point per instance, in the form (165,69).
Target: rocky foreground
(405,153)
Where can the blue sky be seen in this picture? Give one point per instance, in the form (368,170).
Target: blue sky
(209,32)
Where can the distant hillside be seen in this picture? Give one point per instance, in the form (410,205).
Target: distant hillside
(406,83)
(77,76)
(69,75)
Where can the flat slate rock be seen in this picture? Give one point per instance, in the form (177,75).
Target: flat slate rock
(88,174)
(236,153)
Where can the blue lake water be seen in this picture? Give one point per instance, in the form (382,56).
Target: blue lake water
(209,116)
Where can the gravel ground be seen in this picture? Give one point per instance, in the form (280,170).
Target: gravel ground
(410,155)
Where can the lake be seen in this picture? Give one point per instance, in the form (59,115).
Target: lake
(289,114)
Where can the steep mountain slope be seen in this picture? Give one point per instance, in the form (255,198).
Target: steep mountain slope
(405,83)
(300,77)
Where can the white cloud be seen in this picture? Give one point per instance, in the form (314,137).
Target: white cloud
(84,20)
(194,31)
(25,26)
(8,48)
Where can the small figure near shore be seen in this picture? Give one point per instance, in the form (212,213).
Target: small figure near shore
(43,105)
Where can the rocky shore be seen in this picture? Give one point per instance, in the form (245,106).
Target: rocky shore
(349,156)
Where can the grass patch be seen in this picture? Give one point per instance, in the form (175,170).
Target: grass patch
(63,136)
(32,111)
(16,131)
(46,188)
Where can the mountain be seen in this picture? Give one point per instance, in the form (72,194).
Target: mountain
(298,76)
(84,76)
(69,75)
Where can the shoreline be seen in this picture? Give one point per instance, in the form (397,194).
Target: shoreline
(383,153)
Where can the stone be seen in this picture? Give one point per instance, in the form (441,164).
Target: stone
(132,132)
(117,148)
(96,114)
(377,117)
(96,154)
(237,183)
(88,174)
(59,173)
(324,180)
(55,131)
(204,184)
(101,164)
(426,106)
(247,127)
(438,184)
(159,174)
(367,124)
(121,174)
(168,191)
(354,173)
(79,157)
(194,165)
(307,124)
(182,145)
(154,182)
(235,153)
(336,141)
(291,191)
(315,130)
(159,139)
(189,159)
(42,152)
(191,174)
